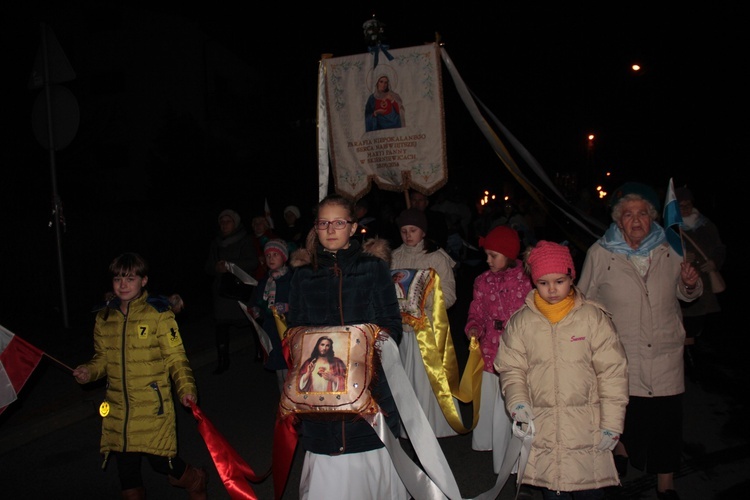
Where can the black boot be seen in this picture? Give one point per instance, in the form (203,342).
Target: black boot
(223,359)
(194,481)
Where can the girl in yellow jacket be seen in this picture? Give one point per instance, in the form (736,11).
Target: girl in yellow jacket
(137,346)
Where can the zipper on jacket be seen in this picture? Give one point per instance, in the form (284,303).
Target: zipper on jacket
(124,376)
(155,387)
(337,272)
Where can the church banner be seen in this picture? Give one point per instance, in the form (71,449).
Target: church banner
(386,121)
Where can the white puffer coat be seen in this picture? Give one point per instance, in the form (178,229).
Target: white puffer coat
(574,375)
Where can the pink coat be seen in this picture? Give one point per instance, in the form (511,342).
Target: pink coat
(496,297)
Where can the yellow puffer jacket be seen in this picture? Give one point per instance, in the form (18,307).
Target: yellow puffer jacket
(139,352)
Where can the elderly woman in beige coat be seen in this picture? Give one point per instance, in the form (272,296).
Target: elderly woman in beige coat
(640,279)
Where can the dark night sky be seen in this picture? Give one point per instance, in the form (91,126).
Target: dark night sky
(550,74)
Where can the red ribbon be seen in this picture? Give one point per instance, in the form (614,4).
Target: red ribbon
(232,468)
(284,443)
(284,439)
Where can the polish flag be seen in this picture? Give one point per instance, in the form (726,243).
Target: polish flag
(18,359)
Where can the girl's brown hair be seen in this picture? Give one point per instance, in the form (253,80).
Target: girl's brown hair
(129,264)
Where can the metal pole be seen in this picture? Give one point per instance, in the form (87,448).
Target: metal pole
(56,199)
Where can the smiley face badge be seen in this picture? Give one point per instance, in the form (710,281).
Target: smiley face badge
(104,409)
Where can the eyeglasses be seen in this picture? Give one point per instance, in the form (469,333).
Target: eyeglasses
(337,224)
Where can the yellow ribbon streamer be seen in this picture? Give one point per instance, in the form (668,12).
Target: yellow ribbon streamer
(433,335)
(471,380)
(280,321)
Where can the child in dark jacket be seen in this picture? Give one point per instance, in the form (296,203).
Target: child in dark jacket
(271,293)
(343,284)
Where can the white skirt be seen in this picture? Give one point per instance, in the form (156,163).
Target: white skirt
(411,358)
(369,475)
(493,430)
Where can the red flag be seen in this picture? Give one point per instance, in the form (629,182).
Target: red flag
(18,359)
(232,468)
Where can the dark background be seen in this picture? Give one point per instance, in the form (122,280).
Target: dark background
(185,111)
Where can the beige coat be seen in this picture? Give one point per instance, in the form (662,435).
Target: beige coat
(406,257)
(646,314)
(574,375)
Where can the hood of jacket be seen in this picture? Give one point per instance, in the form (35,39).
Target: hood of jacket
(377,247)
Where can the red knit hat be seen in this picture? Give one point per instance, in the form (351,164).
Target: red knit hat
(502,239)
(550,258)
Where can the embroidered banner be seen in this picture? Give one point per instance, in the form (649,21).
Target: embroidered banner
(386,122)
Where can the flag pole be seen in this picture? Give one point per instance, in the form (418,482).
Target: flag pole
(57,361)
(705,257)
(682,242)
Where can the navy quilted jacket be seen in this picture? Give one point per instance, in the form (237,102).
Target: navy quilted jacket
(356,286)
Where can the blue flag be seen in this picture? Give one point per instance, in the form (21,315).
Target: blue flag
(673,220)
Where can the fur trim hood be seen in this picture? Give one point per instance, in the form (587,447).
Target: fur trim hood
(299,258)
(377,247)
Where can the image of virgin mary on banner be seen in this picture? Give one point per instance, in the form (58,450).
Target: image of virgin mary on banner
(385,121)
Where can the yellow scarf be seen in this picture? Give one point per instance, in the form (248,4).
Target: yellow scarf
(555,312)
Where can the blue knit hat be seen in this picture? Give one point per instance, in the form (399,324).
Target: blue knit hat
(644,191)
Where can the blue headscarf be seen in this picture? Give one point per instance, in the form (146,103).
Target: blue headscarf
(614,241)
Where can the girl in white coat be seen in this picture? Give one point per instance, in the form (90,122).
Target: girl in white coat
(561,365)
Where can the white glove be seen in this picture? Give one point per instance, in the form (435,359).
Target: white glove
(522,413)
(609,440)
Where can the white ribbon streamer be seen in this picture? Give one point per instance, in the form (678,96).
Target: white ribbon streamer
(436,481)
(323,146)
(263,337)
(574,214)
(242,275)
